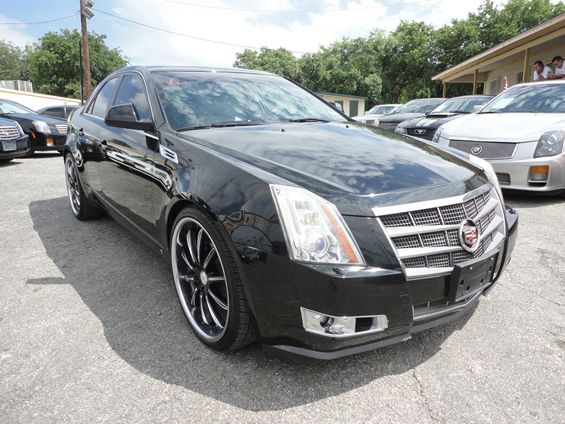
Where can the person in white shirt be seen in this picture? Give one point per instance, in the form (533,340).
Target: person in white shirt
(541,72)
(557,61)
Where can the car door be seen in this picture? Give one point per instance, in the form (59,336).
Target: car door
(127,173)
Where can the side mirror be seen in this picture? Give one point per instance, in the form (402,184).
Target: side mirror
(477,108)
(124,116)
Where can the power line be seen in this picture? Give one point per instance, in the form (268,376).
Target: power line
(41,22)
(225,43)
(343,9)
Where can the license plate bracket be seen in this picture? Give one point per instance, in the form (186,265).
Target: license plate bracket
(9,146)
(471,276)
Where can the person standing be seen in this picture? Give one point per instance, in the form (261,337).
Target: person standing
(541,72)
(557,62)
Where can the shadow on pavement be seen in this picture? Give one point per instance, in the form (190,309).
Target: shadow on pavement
(129,289)
(524,199)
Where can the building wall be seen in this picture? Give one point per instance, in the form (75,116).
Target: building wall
(345,101)
(511,70)
(35,101)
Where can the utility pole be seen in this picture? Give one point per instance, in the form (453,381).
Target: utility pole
(85,13)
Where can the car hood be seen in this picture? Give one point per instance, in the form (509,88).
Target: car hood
(430,121)
(399,117)
(27,118)
(503,127)
(352,165)
(368,116)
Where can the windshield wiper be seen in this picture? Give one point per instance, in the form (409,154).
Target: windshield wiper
(459,111)
(308,120)
(220,125)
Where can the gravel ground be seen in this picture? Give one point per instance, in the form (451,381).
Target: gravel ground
(91,331)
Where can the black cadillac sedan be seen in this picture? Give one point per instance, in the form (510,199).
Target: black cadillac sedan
(45,133)
(413,109)
(284,221)
(447,111)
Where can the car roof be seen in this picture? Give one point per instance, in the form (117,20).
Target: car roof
(156,68)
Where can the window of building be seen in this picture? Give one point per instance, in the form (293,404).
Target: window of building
(519,77)
(354,108)
(493,89)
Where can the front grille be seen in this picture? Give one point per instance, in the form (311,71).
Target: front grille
(62,128)
(370,121)
(427,238)
(485,149)
(9,133)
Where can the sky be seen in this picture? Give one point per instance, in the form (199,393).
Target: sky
(297,25)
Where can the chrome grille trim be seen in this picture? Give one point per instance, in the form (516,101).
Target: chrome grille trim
(9,133)
(62,128)
(425,235)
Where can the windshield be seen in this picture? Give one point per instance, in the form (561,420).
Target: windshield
(536,98)
(201,99)
(380,110)
(420,106)
(461,104)
(7,106)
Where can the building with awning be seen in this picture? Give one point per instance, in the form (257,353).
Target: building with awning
(512,59)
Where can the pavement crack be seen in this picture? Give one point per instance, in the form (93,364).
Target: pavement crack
(545,298)
(422,393)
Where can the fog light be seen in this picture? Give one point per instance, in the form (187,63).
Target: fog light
(331,326)
(50,141)
(538,174)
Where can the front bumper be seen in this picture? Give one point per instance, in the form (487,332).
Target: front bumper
(22,149)
(47,142)
(277,301)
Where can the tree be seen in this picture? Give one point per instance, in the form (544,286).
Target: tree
(279,61)
(54,62)
(12,61)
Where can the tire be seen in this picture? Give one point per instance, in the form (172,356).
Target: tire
(208,284)
(81,207)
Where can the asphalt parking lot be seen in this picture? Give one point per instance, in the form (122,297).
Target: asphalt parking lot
(91,331)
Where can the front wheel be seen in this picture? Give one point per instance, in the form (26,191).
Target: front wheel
(81,206)
(208,284)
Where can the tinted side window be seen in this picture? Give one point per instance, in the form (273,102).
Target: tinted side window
(132,90)
(57,112)
(104,98)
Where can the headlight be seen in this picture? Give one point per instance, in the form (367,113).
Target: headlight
(400,130)
(42,127)
(437,135)
(490,173)
(314,229)
(19,128)
(550,144)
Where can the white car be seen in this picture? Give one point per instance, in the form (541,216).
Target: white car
(376,112)
(521,132)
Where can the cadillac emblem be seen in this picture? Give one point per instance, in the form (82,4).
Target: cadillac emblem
(476,149)
(469,235)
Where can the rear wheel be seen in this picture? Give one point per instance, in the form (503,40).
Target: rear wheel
(81,206)
(208,284)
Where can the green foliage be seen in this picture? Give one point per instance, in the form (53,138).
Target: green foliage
(12,62)
(399,66)
(54,62)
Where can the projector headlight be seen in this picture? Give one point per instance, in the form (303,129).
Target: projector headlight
(42,127)
(550,144)
(314,229)
(437,135)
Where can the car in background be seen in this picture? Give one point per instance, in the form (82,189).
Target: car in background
(521,133)
(413,109)
(45,133)
(376,112)
(13,141)
(447,111)
(283,222)
(60,111)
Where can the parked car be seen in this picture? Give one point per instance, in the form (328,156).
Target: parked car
(44,133)
(13,142)
(59,111)
(447,111)
(413,109)
(521,133)
(283,221)
(376,112)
